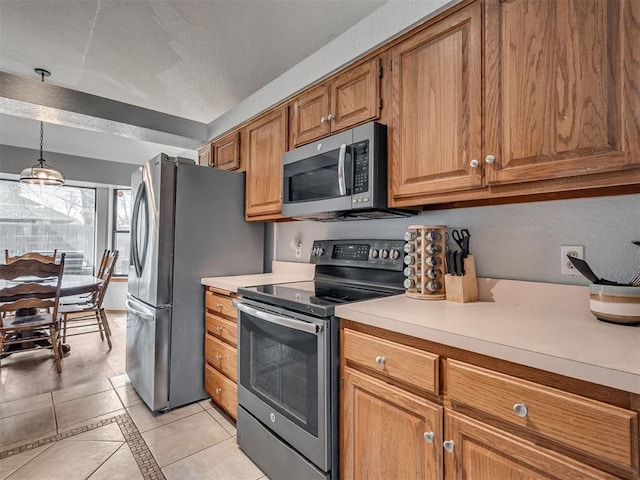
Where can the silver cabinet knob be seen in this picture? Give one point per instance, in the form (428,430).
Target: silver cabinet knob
(218,357)
(218,329)
(219,306)
(380,360)
(323,120)
(429,437)
(474,163)
(330,117)
(490,159)
(218,391)
(448,445)
(520,409)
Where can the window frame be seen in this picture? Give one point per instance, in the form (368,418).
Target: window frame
(114,224)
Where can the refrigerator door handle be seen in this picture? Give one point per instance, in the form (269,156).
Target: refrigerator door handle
(131,307)
(140,202)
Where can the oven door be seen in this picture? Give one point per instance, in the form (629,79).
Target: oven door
(318,177)
(283,376)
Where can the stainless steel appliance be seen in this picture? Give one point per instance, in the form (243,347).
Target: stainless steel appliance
(187,223)
(341,177)
(288,366)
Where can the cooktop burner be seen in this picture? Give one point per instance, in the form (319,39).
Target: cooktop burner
(346,271)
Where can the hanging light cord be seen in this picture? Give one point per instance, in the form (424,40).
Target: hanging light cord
(41,128)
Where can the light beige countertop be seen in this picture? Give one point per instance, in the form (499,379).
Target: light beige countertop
(282,272)
(539,325)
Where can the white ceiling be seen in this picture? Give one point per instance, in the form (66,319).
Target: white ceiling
(194,59)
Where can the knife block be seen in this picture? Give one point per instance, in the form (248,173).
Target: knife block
(463,288)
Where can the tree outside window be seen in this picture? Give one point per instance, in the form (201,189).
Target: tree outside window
(44,218)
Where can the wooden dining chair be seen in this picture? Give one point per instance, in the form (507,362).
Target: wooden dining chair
(82,316)
(30,255)
(24,304)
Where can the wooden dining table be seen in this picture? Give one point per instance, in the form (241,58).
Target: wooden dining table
(71,285)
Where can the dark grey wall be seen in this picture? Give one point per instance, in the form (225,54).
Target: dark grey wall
(14,159)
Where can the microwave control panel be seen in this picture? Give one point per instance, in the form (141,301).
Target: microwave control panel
(360,153)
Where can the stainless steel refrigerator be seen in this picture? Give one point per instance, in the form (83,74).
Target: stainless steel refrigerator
(187,223)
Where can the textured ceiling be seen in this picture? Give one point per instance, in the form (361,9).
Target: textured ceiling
(189,58)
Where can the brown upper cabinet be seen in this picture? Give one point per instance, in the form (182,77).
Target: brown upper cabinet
(264,143)
(204,155)
(226,151)
(548,103)
(351,98)
(436,111)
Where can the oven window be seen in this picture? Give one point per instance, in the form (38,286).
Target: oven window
(280,366)
(316,178)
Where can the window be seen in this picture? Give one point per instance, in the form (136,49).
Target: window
(41,218)
(121,225)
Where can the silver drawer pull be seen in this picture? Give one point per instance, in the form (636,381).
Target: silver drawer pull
(219,306)
(520,409)
(218,357)
(429,437)
(448,445)
(218,329)
(380,360)
(218,391)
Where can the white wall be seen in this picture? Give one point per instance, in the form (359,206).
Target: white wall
(520,241)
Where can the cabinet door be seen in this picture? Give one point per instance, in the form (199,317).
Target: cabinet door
(226,152)
(266,142)
(355,96)
(481,451)
(204,155)
(383,431)
(562,82)
(436,116)
(309,115)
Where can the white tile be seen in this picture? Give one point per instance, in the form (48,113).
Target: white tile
(7,409)
(11,464)
(120,380)
(67,460)
(80,391)
(20,429)
(109,433)
(184,437)
(87,421)
(145,419)
(128,395)
(227,423)
(84,408)
(120,466)
(223,461)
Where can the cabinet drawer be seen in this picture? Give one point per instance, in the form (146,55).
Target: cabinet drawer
(595,427)
(222,390)
(220,304)
(221,356)
(221,328)
(394,360)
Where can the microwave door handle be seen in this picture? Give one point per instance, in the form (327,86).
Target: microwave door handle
(341,182)
(278,320)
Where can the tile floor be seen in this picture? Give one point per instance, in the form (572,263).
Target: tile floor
(70,428)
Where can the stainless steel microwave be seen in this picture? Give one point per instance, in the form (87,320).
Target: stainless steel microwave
(341,177)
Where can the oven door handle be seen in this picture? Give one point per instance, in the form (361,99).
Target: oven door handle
(279,320)
(342,185)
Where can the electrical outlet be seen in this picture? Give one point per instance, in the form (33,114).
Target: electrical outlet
(299,250)
(566,267)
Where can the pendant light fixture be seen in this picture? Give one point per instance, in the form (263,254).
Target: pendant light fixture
(42,173)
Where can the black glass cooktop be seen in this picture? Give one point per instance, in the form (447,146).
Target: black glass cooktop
(315,297)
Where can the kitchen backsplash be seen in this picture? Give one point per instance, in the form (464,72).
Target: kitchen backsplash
(519,242)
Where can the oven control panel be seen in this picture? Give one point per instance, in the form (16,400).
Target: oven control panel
(384,254)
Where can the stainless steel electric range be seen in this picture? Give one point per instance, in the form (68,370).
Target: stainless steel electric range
(288,368)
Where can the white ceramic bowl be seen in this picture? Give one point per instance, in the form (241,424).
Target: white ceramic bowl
(615,304)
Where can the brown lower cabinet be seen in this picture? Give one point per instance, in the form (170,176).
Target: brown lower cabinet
(486,419)
(220,349)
